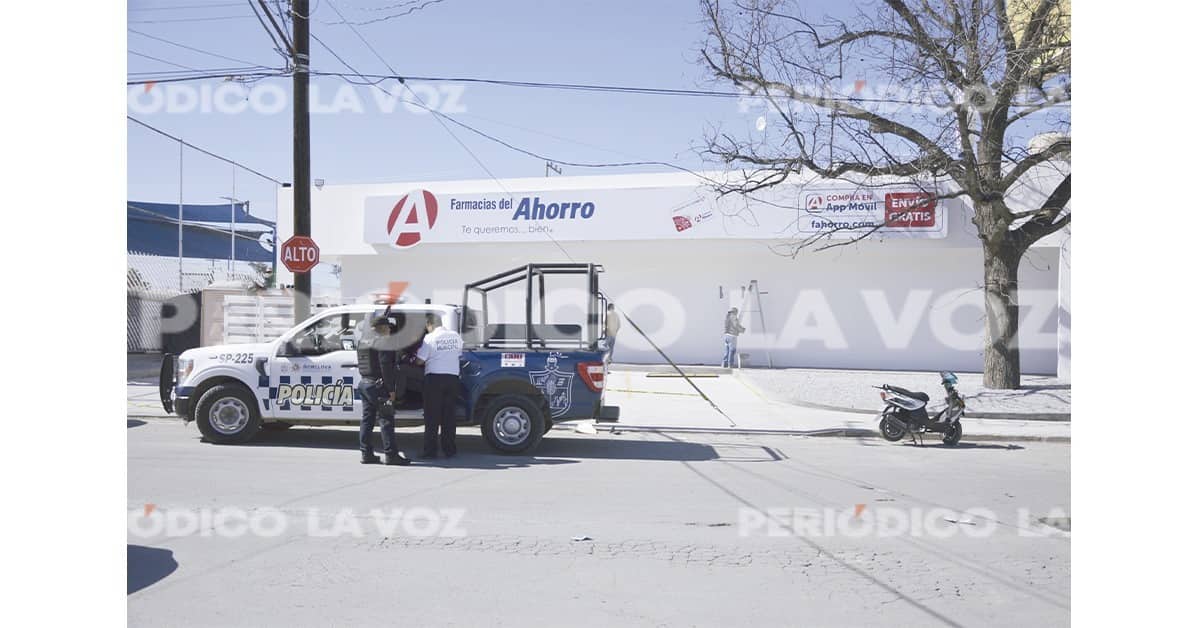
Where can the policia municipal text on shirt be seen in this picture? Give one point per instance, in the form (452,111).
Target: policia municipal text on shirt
(441,354)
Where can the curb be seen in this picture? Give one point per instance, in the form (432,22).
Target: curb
(836,432)
(658,369)
(1003,416)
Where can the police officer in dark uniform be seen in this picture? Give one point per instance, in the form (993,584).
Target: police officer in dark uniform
(377,364)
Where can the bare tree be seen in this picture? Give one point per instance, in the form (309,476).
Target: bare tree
(967,92)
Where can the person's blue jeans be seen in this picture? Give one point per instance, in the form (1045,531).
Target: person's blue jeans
(373,395)
(730,351)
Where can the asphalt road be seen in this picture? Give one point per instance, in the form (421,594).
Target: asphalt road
(606,529)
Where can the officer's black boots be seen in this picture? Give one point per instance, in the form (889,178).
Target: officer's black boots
(370,459)
(397,459)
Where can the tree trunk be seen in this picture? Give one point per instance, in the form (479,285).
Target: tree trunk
(1001,353)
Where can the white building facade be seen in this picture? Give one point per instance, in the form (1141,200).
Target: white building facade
(900,290)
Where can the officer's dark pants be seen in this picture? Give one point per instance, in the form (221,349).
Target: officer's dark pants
(373,395)
(441,400)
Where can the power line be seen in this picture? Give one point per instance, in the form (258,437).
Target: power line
(410,90)
(178,65)
(216,75)
(363,40)
(209,153)
(388,7)
(193,19)
(342,61)
(187,6)
(631,89)
(452,134)
(443,118)
(178,73)
(194,49)
(284,49)
(412,5)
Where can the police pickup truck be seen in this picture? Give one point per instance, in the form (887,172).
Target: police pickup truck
(517,379)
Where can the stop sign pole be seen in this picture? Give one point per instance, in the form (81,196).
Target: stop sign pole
(301,205)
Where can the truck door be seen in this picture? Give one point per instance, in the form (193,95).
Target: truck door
(314,375)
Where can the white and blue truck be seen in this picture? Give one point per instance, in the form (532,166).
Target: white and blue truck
(518,379)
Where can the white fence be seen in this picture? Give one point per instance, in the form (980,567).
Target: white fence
(256,319)
(250,319)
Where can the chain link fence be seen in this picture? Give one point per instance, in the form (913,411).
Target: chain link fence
(195,220)
(153,280)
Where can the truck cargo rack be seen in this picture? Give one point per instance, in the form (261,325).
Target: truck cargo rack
(530,335)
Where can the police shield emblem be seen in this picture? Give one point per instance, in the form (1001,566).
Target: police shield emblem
(554,384)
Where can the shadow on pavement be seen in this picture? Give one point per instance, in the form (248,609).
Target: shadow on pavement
(474,452)
(147,565)
(133,423)
(961,446)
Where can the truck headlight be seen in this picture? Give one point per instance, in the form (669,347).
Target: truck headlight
(183,368)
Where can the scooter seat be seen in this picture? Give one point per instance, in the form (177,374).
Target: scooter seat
(907,393)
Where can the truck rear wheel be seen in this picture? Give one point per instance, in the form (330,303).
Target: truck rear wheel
(226,414)
(512,424)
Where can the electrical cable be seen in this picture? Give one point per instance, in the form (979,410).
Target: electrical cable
(152,58)
(209,153)
(194,49)
(239,76)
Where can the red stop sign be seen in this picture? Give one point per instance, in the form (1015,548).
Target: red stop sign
(299,254)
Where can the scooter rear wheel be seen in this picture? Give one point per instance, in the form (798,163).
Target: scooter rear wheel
(891,429)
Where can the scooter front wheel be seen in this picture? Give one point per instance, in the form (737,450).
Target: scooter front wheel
(890,428)
(953,435)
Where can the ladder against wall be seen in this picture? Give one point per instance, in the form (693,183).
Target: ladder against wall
(752,306)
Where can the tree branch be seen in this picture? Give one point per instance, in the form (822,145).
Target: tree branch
(1046,221)
(1058,148)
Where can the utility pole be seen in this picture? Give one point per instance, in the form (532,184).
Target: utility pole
(301,188)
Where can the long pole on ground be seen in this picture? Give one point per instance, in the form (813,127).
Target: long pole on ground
(180,234)
(232,219)
(300,148)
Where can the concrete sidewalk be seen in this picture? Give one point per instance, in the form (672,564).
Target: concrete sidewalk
(1040,398)
(650,402)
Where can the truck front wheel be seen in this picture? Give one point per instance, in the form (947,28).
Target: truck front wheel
(226,414)
(512,424)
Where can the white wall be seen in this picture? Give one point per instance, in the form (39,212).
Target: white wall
(876,305)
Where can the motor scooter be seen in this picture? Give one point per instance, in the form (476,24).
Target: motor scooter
(904,413)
